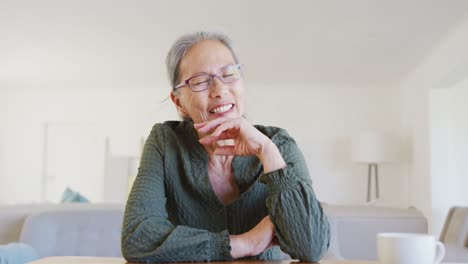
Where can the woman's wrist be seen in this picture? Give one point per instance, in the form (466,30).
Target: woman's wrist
(270,157)
(239,246)
(254,241)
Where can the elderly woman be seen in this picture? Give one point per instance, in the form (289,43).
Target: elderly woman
(198,199)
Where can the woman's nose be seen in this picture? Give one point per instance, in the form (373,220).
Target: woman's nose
(217,88)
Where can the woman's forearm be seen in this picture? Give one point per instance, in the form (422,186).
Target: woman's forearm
(302,227)
(254,241)
(239,247)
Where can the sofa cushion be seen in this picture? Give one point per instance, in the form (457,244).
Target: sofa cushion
(91,232)
(71,196)
(17,253)
(12,219)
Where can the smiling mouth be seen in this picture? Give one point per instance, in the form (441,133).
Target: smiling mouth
(221,109)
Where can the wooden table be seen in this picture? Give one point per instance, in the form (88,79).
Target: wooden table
(97,260)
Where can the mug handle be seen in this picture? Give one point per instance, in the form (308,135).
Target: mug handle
(440,252)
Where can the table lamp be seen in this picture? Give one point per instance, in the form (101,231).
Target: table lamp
(371,148)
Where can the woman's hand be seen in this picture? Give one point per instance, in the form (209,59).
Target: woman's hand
(247,141)
(255,241)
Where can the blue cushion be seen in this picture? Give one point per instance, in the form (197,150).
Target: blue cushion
(17,253)
(71,196)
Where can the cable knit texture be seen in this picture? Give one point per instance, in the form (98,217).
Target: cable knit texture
(174,215)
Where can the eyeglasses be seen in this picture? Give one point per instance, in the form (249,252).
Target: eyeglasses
(203,81)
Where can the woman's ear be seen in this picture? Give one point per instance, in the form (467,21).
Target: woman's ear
(176,100)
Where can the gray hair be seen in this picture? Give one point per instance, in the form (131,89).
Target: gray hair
(184,43)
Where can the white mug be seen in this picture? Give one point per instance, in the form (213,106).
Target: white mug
(408,248)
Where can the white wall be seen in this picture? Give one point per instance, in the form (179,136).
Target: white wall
(460,148)
(124,115)
(2,137)
(328,72)
(441,162)
(449,150)
(446,67)
(322,119)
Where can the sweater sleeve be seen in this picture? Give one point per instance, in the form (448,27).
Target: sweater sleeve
(301,226)
(147,233)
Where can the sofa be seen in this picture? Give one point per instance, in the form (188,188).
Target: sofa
(94,229)
(64,229)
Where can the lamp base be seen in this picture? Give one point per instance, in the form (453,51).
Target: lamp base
(374,202)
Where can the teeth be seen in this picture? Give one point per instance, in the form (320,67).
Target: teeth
(222,109)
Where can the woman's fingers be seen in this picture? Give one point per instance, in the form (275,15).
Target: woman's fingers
(224,127)
(225,151)
(206,127)
(221,132)
(211,139)
(248,140)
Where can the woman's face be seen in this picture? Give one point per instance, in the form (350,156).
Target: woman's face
(221,99)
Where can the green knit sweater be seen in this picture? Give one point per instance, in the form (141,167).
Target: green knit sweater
(174,215)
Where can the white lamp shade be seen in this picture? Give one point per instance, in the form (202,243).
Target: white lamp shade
(371,148)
